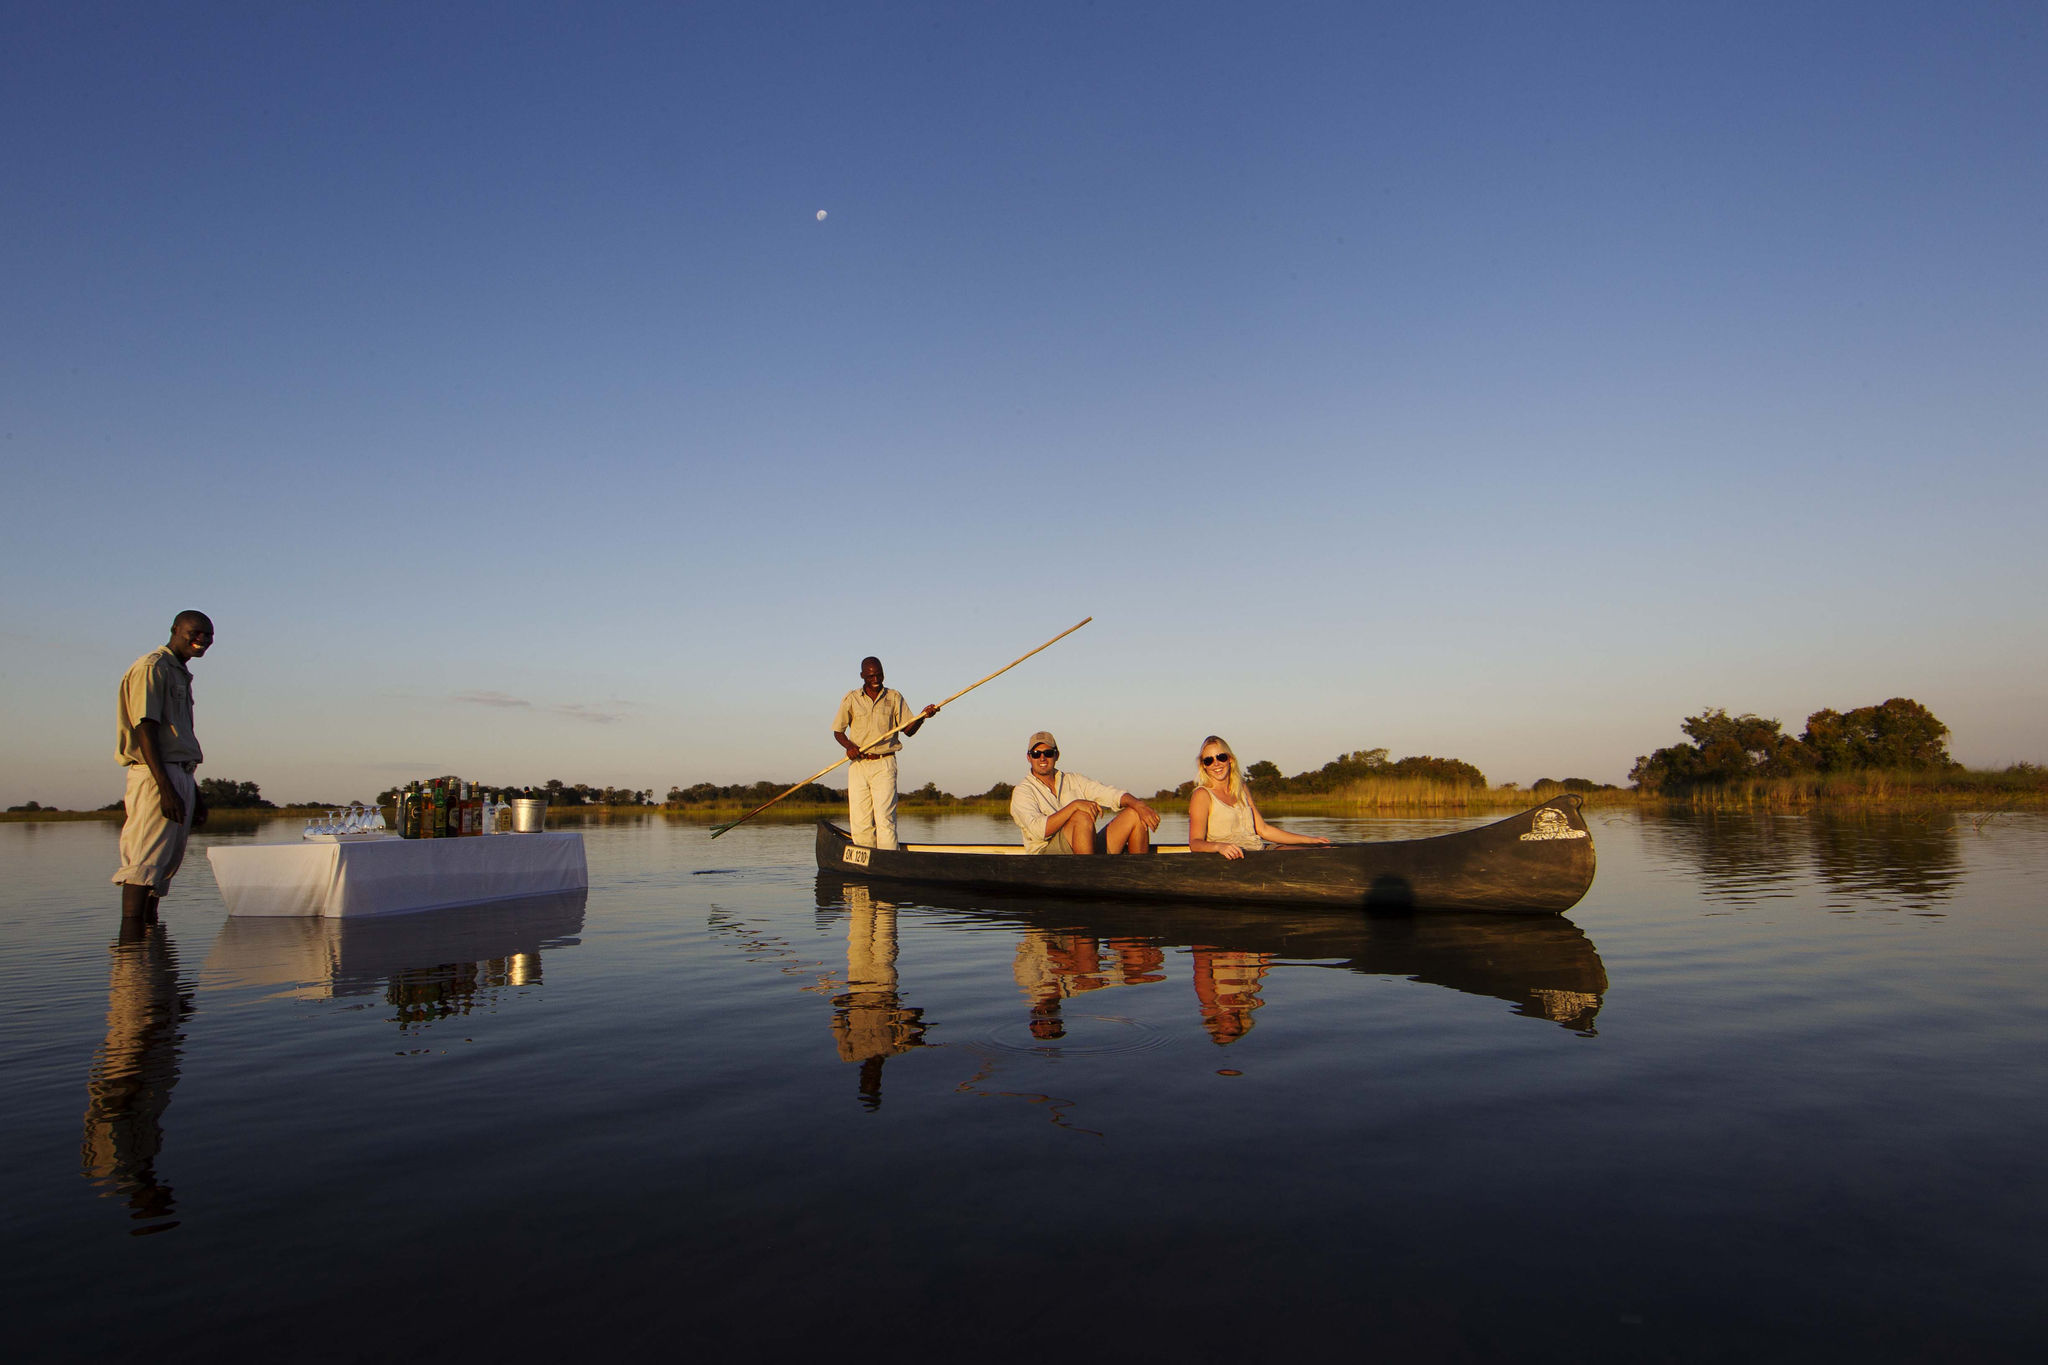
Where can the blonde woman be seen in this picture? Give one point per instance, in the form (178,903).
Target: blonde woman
(1222,817)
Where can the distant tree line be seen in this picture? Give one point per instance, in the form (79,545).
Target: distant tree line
(556,792)
(816,793)
(224,793)
(746,793)
(1900,734)
(1347,769)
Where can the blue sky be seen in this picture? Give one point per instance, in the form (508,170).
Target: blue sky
(1503,382)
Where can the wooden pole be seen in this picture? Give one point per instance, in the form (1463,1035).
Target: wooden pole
(717,830)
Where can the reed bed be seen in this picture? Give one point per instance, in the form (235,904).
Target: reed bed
(2021,785)
(1377,795)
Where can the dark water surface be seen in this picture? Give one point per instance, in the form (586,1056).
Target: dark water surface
(1775,1088)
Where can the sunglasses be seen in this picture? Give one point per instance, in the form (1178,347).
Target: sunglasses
(1207,759)
(1044,753)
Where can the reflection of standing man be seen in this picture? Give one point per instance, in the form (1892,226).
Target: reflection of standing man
(865,715)
(869,1021)
(130,1084)
(156,744)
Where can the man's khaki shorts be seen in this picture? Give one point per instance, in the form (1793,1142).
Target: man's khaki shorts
(1063,842)
(152,848)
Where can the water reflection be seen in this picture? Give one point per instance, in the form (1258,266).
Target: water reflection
(869,1021)
(1902,862)
(129,1086)
(427,966)
(1054,967)
(1866,861)
(1545,968)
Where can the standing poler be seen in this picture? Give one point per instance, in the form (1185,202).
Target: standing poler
(157,746)
(864,716)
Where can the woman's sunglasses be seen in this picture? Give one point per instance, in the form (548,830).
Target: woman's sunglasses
(1207,759)
(1044,753)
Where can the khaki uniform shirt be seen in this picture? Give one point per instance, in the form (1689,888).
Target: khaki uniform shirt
(1031,805)
(866,719)
(157,687)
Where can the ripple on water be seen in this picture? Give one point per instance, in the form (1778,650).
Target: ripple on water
(1073,1035)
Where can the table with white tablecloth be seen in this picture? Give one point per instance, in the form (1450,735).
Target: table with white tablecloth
(386,876)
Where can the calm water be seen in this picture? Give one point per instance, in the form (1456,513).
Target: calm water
(1775,1087)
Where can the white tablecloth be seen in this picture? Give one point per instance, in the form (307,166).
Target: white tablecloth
(390,875)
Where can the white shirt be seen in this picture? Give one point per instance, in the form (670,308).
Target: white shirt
(1031,804)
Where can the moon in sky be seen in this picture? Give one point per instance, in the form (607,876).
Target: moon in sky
(821,215)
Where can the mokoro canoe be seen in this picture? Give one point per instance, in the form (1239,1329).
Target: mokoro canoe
(1539,862)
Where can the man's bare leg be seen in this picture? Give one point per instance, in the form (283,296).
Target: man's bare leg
(1083,838)
(1127,834)
(138,902)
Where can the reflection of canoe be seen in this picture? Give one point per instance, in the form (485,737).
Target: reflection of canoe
(1544,966)
(1537,863)
(324,956)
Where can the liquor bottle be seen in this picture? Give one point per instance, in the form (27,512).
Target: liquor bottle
(440,808)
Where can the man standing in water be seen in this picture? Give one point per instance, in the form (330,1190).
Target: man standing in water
(864,716)
(1057,811)
(155,743)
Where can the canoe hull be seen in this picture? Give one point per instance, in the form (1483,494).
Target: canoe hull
(1539,862)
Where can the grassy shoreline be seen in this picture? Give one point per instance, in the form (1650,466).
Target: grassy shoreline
(2018,788)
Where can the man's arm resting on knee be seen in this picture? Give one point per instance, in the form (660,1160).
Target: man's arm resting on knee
(1086,810)
(1145,812)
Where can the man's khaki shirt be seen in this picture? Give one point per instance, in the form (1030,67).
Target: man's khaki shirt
(865,719)
(157,687)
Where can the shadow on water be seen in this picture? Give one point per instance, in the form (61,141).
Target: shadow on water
(1865,861)
(129,1086)
(1546,968)
(428,966)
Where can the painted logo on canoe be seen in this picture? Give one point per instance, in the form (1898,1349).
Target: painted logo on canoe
(858,856)
(1552,824)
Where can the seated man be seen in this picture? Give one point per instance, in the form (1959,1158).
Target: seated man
(1057,811)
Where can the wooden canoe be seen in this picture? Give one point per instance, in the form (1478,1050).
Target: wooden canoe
(1539,862)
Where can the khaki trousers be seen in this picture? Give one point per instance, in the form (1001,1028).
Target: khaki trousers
(152,847)
(871,801)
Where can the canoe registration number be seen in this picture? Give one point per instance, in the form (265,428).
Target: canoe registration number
(856,855)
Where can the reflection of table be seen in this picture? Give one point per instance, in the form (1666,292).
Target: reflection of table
(389,875)
(498,942)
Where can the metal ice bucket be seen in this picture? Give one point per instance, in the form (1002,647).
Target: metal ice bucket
(529,815)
